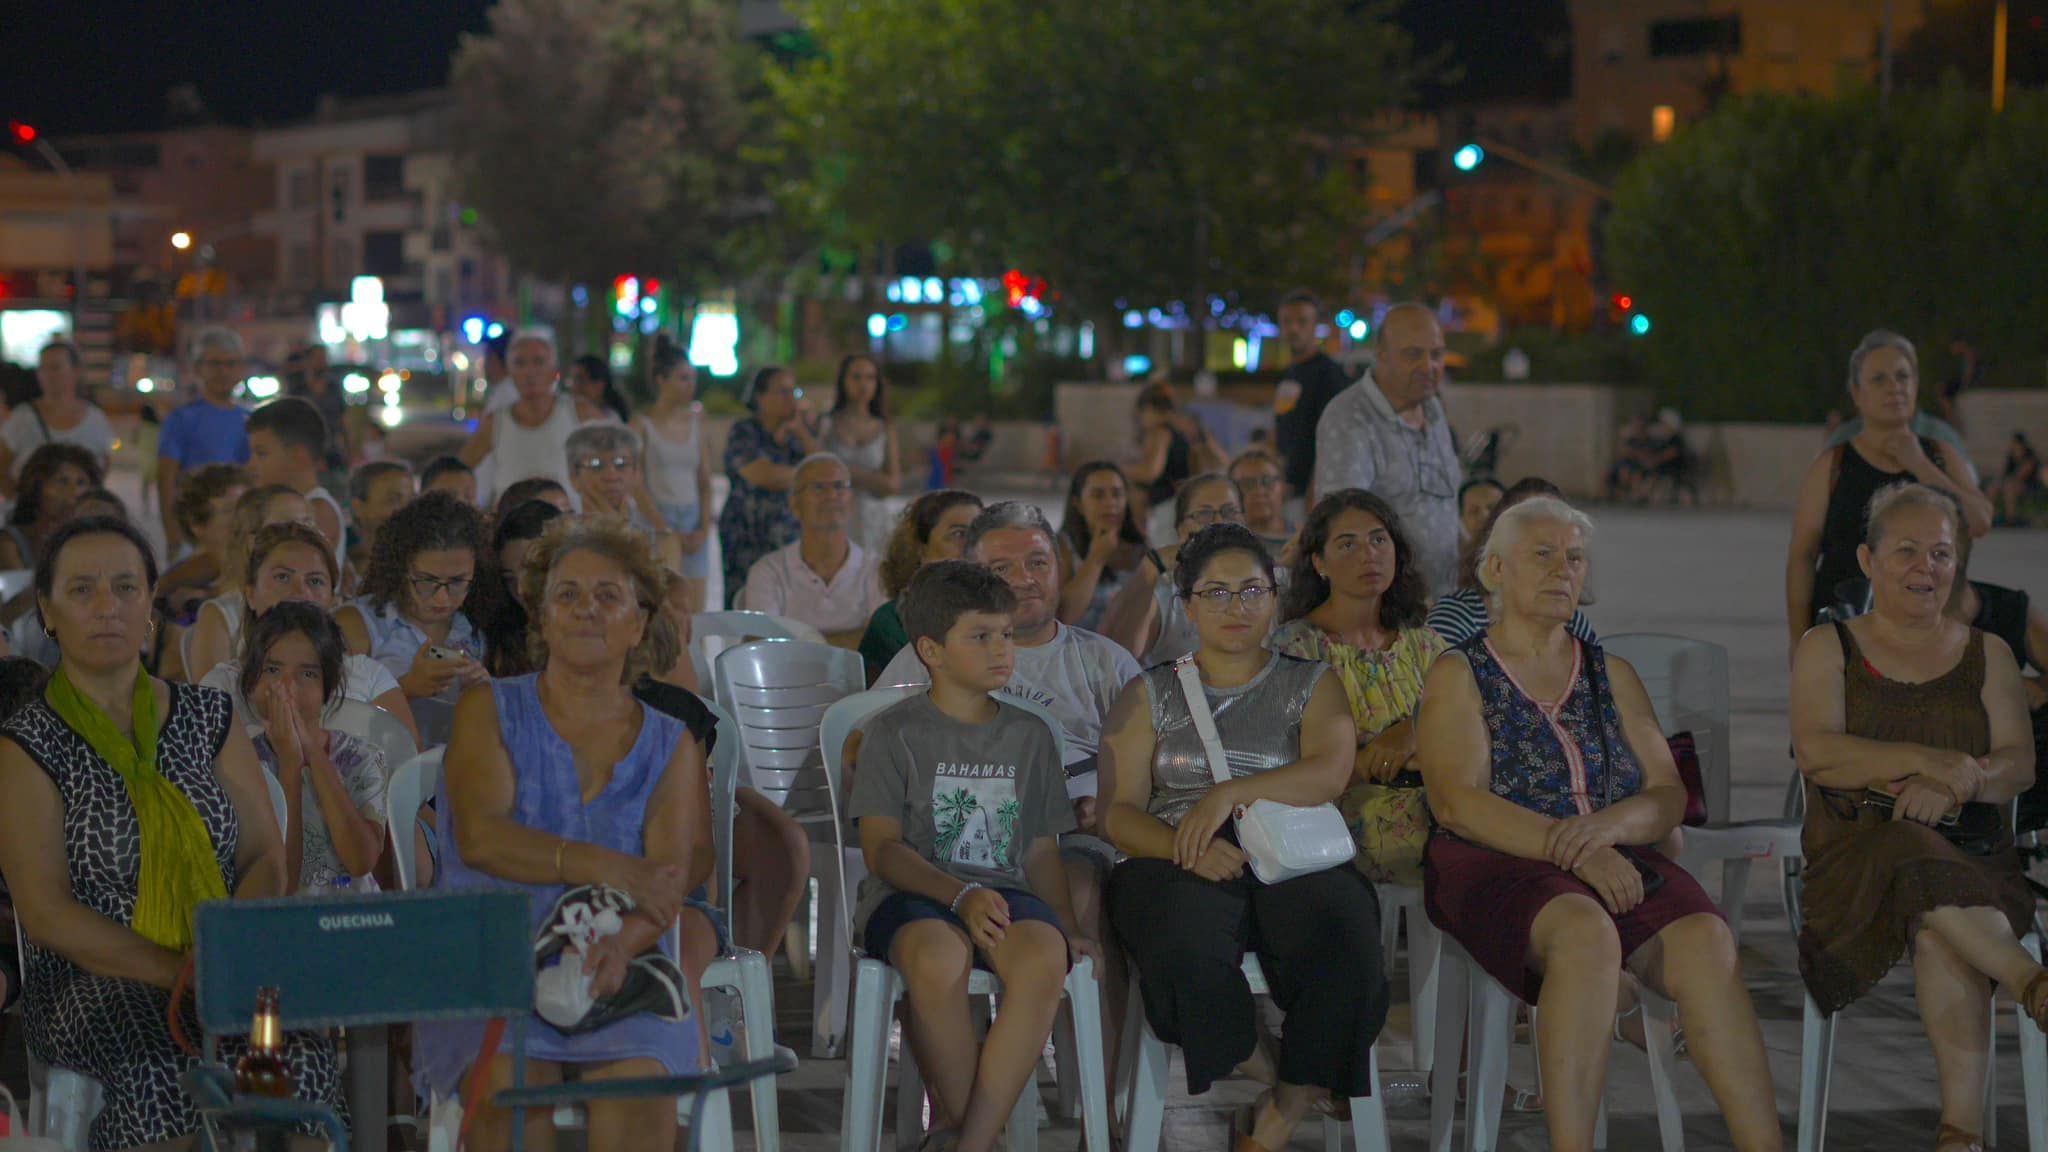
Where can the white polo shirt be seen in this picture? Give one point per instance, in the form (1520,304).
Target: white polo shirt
(782,584)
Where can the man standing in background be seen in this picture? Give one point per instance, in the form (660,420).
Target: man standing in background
(1311,381)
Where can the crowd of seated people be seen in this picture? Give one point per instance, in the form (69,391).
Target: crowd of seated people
(1481,748)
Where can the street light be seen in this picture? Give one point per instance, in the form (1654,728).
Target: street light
(181,240)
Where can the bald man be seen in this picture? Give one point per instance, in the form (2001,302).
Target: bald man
(1388,435)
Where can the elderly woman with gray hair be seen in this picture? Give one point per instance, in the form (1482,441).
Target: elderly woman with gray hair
(824,579)
(604,468)
(1911,730)
(1550,779)
(1827,523)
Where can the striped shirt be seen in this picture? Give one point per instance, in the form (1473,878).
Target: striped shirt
(1462,615)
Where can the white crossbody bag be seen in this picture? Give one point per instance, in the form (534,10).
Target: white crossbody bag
(1280,841)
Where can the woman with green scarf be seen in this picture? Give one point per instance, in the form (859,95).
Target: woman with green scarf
(126,802)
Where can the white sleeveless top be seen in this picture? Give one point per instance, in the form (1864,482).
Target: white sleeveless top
(671,468)
(320,495)
(519,453)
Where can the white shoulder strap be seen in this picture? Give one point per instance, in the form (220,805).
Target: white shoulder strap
(1205,723)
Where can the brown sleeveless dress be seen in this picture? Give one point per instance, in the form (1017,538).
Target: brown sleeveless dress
(1868,877)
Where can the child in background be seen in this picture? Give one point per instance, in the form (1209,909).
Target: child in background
(449,474)
(959,800)
(288,446)
(205,510)
(376,492)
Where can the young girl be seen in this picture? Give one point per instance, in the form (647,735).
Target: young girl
(217,630)
(673,463)
(292,660)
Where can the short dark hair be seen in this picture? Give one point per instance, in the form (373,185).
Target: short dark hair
(1479,482)
(295,423)
(199,488)
(499,345)
(1527,488)
(525,521)
(1302,296)
(283,619)
(441,466)
(64,346)
(527,491)
(942,592)
(1405,604)
(751,394)
(21,680)
(42,464)
(53,548)
(367,475)
(594,367)
(1211,542)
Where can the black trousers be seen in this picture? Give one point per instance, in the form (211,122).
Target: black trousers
(1317,938)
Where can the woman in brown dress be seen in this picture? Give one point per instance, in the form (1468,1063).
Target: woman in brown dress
(1908,709)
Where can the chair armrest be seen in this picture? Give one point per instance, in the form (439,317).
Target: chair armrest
(576,1092)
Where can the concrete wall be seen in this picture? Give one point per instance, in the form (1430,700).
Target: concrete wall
(1991,416)
(1563,432)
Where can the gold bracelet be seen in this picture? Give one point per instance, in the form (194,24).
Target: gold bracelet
(561,846)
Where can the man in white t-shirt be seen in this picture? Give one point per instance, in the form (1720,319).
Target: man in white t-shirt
(823,579)
(1074,673)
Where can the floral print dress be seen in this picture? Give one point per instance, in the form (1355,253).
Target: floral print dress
(755,521)
(1384,686)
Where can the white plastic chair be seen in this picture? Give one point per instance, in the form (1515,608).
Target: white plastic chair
(375,726)
(1688,684)
(714,632)
(277,801)
(879,987)
(777,692)
(1425,953)
(15,581)
(410,784)
(1145,1083)
(62,1104)
(1476,1008)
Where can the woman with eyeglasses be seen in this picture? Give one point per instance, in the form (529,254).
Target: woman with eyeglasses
(421,604)
(1263,484)
(1147,616)
(1185,905)
(604,465)
(1355,602)
(761,455)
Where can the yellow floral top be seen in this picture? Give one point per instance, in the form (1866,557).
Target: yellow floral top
(1382,687)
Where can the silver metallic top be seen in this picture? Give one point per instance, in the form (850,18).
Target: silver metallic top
(1259,723)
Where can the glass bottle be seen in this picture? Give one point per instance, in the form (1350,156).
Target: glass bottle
(262,1070)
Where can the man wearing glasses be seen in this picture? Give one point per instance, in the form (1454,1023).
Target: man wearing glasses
(209,429)
(824,579)
(1388,435)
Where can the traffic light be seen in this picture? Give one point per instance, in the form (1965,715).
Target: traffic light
(626,295)
(23,134)
(1468,157)
(1639,324)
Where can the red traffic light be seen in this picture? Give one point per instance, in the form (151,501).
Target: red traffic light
(23,134)
(1624,302)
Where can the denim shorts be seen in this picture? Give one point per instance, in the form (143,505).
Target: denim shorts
(902,908)
(687,518)
(700,901)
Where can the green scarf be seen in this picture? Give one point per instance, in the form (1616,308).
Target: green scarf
(179,869)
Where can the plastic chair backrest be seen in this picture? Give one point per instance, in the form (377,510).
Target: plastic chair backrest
(1688,685)
(777,691)
(436,718)
(411,783)
(714,632)
(277,802)
(15,581)
(375,726)
(365,959)
(725,781)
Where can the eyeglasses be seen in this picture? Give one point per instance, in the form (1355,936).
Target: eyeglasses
(427,587)
(599,463)
(828,487)
(1250,597)
(1203,517)
(1259,483)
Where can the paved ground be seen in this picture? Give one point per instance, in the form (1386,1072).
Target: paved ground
(1708,574)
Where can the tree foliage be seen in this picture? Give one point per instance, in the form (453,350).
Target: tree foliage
(601,137)
(1768,237)
(1138,150)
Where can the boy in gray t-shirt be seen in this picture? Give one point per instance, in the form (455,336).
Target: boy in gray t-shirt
(959,799)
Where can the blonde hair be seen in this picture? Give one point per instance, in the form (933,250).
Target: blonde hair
(615,540)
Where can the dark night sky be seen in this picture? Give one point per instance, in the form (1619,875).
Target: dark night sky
(72,66)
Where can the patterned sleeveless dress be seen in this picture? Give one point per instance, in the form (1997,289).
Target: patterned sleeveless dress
(116,1031)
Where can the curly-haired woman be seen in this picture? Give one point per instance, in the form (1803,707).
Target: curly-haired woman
(54,477)
(932,527)
(422,605)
